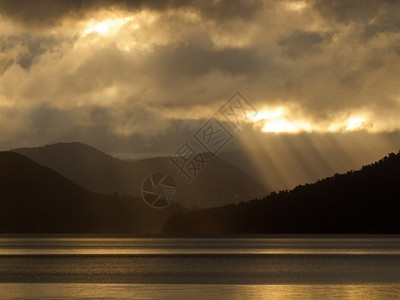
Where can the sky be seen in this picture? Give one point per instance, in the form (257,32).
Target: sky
(138,77)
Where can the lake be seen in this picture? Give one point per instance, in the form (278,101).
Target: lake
(222,267)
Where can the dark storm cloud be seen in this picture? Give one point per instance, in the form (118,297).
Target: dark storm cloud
(47,121)
(300,42)
(347,11)
(376,16)
(386,22)
(31,46)
(226,9)
(198,60)
(96,125)
(48,12)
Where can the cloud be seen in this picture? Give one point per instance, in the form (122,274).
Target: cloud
(27,47)
(374,16)
(174,63)
(196,60)
(300,42)
(350,11)
(51,13)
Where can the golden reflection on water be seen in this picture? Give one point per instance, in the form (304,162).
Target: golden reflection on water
(196,291)
(357,245)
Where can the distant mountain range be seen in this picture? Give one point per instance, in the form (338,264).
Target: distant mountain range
(287,167)
(364,201)
(218,184)
(36,199)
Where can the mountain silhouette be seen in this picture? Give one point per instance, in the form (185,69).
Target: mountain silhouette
(288,167)
(218,184)
(364,201)
(36,199)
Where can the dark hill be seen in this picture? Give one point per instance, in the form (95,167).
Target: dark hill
(36,199)
(220,183)
(364,201)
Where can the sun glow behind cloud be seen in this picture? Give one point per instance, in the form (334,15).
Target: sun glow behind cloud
(296,5)
(355,123)
(281,120)
(107,26)
(128,32)
(275,120)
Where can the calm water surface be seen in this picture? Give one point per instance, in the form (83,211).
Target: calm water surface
(256,267)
